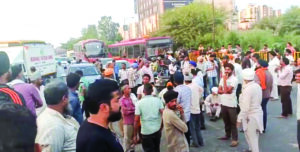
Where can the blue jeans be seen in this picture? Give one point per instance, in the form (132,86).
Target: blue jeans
(212,82)
(264,108)
(195,126)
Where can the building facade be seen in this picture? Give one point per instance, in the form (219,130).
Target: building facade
(254,13)
(149,11)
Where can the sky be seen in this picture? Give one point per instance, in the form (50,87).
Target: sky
(56,21)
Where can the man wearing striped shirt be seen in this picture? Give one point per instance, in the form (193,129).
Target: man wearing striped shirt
(211,71)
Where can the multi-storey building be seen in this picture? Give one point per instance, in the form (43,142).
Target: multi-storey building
(254,13)
(149,11)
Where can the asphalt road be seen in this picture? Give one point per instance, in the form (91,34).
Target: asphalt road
(280,136)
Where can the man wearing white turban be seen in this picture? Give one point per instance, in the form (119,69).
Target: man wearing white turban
(251,114)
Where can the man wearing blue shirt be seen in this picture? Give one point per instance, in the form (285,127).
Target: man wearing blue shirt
(73,84)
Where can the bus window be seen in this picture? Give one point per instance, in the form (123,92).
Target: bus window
(130,52)
(124,51)
(136,51)
(143,49)
(115,51)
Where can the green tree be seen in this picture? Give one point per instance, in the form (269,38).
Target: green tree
(69,44)
(90,32)
(108,30)
(191,24)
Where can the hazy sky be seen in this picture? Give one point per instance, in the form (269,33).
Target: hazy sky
(55,21)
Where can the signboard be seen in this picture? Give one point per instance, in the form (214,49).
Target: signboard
(158,42)
(168,4)
(40,56)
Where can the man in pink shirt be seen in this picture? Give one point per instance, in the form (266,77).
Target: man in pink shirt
(29,92)
(128,109)
(285,76)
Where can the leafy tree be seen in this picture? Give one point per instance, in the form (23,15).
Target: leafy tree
(90,32)
(191,24)
(108,30)
(290,21)
(69,44)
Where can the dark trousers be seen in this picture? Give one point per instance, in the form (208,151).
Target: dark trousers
(195,126)
(238,92)
(151,143)
(229,117)
(286,102)
(264,108)
(202,119)
(134,90)
(205,94)
(298,133)
(172,78)
(188,133)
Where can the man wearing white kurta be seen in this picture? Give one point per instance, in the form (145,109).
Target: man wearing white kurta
(251,114)
(273,64)
(213,105)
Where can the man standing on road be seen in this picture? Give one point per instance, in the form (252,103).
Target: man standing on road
(103,105)
(211,71)
(195,125)
(227,90)
(29,92)
(149,112)
(57,130)
(128,109)
(116,70)
(73,84)
(123,73)
(285,76)
(133,76)
(251,115)
(273,64)
(184,99)
(264,78)
(174,125)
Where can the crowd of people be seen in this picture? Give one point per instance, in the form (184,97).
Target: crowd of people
(80,116)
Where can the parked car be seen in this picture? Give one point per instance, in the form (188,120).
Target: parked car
(90,72)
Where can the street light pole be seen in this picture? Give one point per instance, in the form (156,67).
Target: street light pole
(213,28)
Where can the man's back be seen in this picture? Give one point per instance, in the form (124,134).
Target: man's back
(149,110)
(197,92)
(55,132)
(8,94)
(30,94)
(184,99)
(94,138)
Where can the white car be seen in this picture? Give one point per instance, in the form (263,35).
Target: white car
(90,72)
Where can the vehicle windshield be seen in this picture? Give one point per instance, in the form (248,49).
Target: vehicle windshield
(157,50)
(94,49)
(87,70)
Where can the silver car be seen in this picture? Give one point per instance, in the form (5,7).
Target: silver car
(90,72)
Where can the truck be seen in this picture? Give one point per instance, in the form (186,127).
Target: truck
(29,54)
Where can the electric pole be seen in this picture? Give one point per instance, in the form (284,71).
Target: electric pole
(213,28)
